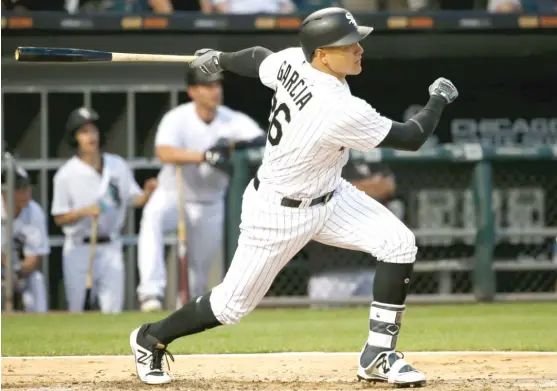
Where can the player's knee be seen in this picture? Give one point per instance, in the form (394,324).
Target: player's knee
(403,249)
(227,311)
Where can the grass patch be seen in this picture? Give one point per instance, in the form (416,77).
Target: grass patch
(488,327)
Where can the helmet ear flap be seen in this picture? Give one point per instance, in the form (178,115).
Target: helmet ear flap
(72,140)
(102,139)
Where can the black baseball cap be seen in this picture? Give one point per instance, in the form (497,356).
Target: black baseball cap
(195,76)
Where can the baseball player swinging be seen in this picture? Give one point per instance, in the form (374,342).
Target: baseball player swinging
(94,186)
(191,135)
(298,194)
(31,244)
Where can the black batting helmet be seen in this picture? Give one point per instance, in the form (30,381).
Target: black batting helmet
(330,27)
(77,119)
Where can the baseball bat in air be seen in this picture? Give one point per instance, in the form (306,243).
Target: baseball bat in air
(87,305)
(57,55)
(182,242)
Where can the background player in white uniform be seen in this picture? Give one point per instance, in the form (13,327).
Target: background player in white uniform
(30,244)
(193,135)
(94,184)
(298,193)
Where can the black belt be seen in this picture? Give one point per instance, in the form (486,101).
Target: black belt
(289,202)
(100,239)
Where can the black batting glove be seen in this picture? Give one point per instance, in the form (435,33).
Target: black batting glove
(207,61)
(215,158)
(219,159)
(219,153)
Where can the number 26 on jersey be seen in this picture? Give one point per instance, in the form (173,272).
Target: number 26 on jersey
(280,113)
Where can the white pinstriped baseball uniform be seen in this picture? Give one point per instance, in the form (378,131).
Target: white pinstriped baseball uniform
(204,188)
(314,121)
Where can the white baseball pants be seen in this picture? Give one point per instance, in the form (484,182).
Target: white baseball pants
(34,297)
(204,227)
(108,275)
(271,234)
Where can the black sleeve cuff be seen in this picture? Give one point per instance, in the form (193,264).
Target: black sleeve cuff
(412,134)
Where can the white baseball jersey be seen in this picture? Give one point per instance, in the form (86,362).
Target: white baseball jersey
(78,185)
(314,120)
(181,127)
(29,231)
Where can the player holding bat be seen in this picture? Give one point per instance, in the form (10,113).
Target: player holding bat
(92,191)
(195,139)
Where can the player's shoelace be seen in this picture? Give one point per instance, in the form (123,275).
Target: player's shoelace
(156,362)
(385,363)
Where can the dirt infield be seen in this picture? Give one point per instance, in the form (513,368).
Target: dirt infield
(303,372)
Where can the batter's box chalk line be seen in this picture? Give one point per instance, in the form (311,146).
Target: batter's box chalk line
(283,354)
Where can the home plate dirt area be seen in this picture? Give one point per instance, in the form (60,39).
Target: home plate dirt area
(445,371)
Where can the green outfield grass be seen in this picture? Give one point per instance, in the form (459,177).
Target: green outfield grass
(524,326)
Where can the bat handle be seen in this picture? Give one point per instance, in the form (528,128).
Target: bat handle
(89,282)
(182,249)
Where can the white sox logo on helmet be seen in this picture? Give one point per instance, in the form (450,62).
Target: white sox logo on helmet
(85,113)
(351,19)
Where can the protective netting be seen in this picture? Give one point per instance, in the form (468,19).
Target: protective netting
(436,201)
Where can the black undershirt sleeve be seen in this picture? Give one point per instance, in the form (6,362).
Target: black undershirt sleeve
(412,134)
(255,142)
(245,62)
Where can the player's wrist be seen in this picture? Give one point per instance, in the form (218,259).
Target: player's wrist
(437,102)
(441,96)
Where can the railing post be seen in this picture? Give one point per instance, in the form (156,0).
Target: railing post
(8,284)
(484,276)
(44,189)
(130,250)
(237,185)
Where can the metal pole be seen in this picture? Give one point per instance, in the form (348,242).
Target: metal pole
(87,98)
(9,267)
(173,266)
(131,253)
(45,264)
(484,276)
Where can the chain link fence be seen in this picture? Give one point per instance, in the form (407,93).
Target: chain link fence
(526,218)
(435,200)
